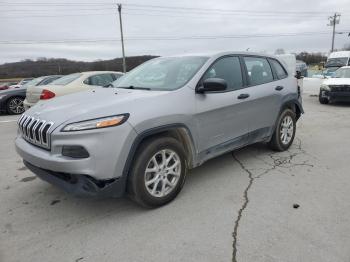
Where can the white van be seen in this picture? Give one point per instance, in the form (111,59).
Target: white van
(338,59)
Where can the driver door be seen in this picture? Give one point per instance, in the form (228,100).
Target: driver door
(221,117)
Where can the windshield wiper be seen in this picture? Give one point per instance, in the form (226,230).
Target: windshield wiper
(134,87)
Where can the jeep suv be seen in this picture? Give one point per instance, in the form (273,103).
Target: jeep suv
(161,119)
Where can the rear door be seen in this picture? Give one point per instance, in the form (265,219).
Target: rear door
(265,92)
(220,116)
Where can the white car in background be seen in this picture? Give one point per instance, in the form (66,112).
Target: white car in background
(68,84)
(336,88)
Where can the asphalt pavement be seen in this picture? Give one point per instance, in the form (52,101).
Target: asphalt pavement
(249,205)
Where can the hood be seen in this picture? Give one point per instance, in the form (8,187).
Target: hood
(337,81)
(99,102)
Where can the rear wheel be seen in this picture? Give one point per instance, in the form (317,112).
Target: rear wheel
(15,106)
(158,172)
(284,132)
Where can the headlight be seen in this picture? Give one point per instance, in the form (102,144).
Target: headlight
(325,87)
(96,123)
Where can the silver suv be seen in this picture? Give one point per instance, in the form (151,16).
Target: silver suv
(161,119)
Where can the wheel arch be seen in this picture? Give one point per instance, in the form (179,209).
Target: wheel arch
(295,106)
(178,131)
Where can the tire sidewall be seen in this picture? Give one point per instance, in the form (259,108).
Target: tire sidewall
(143,157)
(323,100)
(277,137)
(8,105)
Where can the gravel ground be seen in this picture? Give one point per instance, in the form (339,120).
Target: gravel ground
(249,205)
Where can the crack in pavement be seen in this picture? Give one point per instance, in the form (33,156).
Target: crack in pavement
(240,211)
(278,162)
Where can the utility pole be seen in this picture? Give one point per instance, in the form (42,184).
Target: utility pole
(121,35)
(333,20)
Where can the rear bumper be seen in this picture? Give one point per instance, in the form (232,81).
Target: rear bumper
(27,104)
(81,185)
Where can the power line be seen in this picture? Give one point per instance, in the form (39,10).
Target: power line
(166,38)
(161,12)
(160,7)
(201,16)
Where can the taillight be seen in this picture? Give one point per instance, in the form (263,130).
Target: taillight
(4,87)
(47,94)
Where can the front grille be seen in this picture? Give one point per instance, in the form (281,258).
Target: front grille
(340,88)
(35,131)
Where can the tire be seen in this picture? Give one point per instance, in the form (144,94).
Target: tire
(323,100)
(14,105)
(166,187)
(279,142)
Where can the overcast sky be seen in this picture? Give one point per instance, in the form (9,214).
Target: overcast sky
(96,20)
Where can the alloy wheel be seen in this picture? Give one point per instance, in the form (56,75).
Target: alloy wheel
(286,130)
(16,106)
(162,173)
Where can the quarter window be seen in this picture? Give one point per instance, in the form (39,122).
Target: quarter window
(259,70)
(229,69)
(280,71)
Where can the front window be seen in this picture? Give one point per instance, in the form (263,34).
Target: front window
(259,70)
(229,69)
(65,80)
(342,73)
(165,73)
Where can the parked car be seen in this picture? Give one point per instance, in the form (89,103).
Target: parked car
(70,84)
(164,117)
(11,100)
(22,82)
(6,85)
(336,60)
(336,88)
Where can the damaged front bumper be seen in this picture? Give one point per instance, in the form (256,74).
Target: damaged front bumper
(81,185)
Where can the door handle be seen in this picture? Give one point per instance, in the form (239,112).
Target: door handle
(243,96)
(279,88)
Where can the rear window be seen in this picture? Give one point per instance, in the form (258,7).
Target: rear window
(280,71)
(259,70)
(65,80)
(33,82)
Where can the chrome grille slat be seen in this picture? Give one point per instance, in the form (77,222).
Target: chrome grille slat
(35,131)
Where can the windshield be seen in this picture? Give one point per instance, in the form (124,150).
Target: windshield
(164,73)
(342,73)
(330,71)
(65,80)
(34,82)
(339,61)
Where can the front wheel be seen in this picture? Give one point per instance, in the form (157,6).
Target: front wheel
(284,131)
(15,106)
(158,172)
(323,100)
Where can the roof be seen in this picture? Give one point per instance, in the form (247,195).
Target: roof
(339,54)
(222,53)
(99,72)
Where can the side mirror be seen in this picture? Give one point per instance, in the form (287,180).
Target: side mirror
(212,85)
